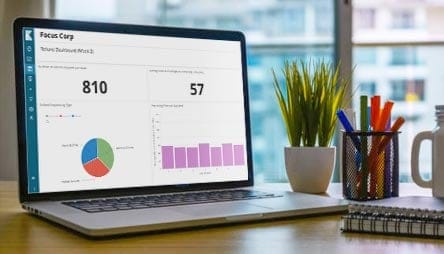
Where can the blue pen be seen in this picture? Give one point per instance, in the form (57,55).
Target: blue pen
(351,189)
(348,128)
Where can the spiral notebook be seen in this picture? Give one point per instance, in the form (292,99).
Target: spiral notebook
(406,216)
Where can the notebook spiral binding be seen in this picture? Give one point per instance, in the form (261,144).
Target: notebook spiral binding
(394,221)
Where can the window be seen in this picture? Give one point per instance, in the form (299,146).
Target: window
(367,87)
(365,56)
(404,56)
(365,18)
(275,31)
(289,21)
(407,90)
(324,26)
(228,22)
(403,19)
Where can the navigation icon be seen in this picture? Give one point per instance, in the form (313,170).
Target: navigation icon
(29,69)
(28,35)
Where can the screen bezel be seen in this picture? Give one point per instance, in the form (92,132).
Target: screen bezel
(20,23)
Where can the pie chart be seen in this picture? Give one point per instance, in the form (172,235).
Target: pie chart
(97,157)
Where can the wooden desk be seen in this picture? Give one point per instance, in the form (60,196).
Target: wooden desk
(24,233)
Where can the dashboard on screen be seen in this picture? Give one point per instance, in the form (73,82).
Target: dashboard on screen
(113,110)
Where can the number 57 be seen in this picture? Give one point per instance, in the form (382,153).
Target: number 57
(196,88)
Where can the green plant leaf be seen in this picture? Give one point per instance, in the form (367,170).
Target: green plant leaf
(309,99)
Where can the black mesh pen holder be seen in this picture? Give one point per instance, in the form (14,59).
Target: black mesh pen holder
(370,165)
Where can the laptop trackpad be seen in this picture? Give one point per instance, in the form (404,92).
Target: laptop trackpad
(221,209)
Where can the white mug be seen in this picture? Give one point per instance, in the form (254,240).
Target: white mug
(437,180)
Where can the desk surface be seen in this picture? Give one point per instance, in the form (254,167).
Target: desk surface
(23,233)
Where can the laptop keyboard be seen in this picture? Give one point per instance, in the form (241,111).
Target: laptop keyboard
(163,200)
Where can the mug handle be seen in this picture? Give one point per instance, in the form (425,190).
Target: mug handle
(415,159)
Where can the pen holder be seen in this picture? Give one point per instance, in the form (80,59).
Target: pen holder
(370,165)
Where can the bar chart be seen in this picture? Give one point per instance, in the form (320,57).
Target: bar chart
(202,156)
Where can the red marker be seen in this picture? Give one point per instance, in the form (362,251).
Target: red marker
(384,117)
(375,107)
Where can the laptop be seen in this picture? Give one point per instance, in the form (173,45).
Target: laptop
(129,128)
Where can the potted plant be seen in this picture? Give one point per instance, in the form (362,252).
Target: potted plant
(309,98)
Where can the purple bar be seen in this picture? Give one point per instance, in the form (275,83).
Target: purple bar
(180,157)
(239,155)
(227,150)
(167,157)
(216,156)
(192,157)
(204,155)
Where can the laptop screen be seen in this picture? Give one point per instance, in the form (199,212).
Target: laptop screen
(114,110)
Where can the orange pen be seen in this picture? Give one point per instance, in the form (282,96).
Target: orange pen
(375,105)
(374,163)
(384,117)
(375,111)
(395,127)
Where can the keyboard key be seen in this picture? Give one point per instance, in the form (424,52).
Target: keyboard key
(92,210)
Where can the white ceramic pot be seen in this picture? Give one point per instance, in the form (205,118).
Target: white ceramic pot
(309,169)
